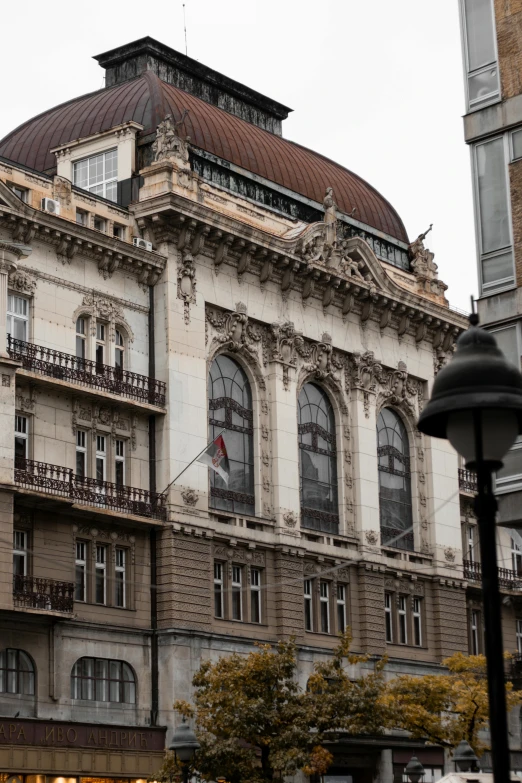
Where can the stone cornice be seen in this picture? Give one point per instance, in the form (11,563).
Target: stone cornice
(172,218)
(71,239)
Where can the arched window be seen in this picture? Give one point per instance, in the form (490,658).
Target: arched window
(16,672)
(318,461)
(119,349)
(100,679)
(230,406)
(393,452)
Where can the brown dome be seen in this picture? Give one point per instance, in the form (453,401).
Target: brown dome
(147,100)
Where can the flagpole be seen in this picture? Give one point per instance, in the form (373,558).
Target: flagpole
(193,461)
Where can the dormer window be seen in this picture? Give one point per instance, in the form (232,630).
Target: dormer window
(98,174)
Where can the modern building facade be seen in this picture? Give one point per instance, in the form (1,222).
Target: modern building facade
(171,267)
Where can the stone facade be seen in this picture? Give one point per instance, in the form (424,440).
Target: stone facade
(126,565)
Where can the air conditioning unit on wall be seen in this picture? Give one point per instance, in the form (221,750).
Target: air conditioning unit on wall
(50,205)
(139,242)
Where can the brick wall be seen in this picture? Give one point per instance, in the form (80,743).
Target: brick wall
(450,633)
(371,610)
(508,15)
(184,581)
(289,597)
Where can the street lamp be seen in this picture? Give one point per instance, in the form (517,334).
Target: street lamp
(184,744)
(476,404)
(414,770)
(464,758)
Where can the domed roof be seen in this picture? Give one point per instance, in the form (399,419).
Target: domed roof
(147,99)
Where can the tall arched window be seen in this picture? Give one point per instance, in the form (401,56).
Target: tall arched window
(318,461)
(230,406)
(100,679)
(16,672)
(393,452)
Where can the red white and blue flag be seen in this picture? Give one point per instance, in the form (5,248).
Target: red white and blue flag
(216,457)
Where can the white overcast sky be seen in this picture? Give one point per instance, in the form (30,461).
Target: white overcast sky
(376,85)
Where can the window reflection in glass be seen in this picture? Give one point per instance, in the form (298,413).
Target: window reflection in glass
(393,453)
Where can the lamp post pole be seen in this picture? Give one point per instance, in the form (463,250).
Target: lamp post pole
(486,510)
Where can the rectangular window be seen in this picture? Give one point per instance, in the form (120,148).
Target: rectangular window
(119,466)
(17,317)
(80,591)
(255,595)
(417,622)
(403,620)
(21,437)
(101,457)
(98,174)
(101,574)
(388,617)
(119,578)
(493,215)
(237,603)
(471,544)
(519,637)
(219,608)
(81,338)
(119,350)
(480,53)
(341,608)
(324,605)
(516,556)
(22,193)
(81,453)
(516,145)
(118,231)
(475,632)
(82,217)
(508,341)
(99,223)
(309,617)
(100,343)
(20,558)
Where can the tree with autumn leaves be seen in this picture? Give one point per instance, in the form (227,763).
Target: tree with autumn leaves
(254,722)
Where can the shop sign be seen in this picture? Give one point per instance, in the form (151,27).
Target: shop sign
(57,734)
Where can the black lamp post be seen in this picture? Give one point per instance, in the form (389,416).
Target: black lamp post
(414,770)
(476,404)
(184,744)
(464,758)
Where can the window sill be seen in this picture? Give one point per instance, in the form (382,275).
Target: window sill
(104,606)
(241,622)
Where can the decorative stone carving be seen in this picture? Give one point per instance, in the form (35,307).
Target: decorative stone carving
(397,388)
(187,283)
(20,281)
(168,143)
(372,537)
(290,519)
(62,190)
(234,330)
(319,355)
(425,269)
(237,554)
(105,309)
(449,554)
(190,497)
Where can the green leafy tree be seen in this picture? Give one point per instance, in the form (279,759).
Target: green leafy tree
(255,722)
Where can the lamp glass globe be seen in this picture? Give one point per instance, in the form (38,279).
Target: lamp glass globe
(499,431)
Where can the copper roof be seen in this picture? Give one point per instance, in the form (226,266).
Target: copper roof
(147,100)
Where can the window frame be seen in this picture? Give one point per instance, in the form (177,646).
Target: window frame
(402,620)
(19,191)
(393,455)
(104,182)
(80,564)
(101,344)
(416,620)
(21,436)
(324,606)
(120,459)
(475,624)
(308,588)
(81,450)
(101,456)
(17,672)
(100,573)
(81,337)
(256,595)
(120,577)
(388,617)
(493,97)
(21,551)
(13,316)
(237,593)
(79,677)
(219,585)
(120,346)
(518,634)
(341,607)
(506,283)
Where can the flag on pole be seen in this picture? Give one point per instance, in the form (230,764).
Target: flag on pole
(216,457)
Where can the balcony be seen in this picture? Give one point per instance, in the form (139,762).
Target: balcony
(102,377)
(467,481)
(32,592)
(508,579)
(60,481)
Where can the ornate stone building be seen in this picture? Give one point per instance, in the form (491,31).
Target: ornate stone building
(172,267)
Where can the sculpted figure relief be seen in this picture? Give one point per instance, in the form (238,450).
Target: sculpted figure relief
(168,143)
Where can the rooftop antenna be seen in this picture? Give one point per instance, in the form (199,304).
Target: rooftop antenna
(185,28)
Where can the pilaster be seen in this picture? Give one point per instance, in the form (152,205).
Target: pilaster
(449,615)
(371,608)
(366,477)
(285,447)
(289,595)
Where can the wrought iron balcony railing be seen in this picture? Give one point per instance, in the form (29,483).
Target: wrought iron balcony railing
(507,578)
(467,480)
(57,480)
(67,367)
(36,593)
